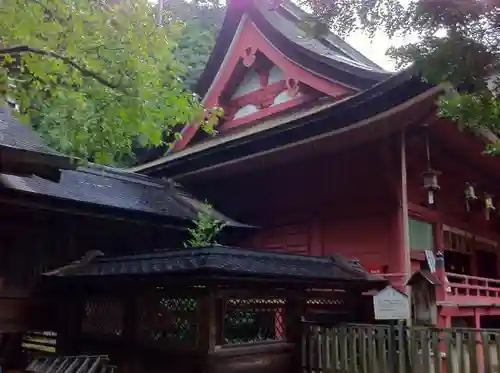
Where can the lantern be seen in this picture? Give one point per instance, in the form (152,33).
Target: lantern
(488,206)
(470,195)
(431,184)
(430,176)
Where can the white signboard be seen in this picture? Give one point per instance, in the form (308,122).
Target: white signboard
(431,260)
(391,304)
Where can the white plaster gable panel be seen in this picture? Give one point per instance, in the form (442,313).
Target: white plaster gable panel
(246,110)
(250,83)
(276,75)
(282,98)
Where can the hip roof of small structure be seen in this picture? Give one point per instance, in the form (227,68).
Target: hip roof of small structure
(227,262)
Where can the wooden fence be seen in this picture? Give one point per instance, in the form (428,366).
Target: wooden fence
(387,349)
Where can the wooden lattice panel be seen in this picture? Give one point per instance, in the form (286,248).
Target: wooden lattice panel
(253,320)
(103,316)
(166,319)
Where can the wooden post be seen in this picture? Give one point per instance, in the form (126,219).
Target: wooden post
(404,220)
(69,326)
(479,343)
(441,275)
(207,330)
(294,330)
(130,330)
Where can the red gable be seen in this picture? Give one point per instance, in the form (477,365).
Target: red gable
(262,66)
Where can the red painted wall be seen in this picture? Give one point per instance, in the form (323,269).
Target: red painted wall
(450,202)
(342,203)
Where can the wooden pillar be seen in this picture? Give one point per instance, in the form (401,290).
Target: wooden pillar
(479,340)
(207,330)
(441,275)
(69,326)
(444,322)
(404,247)
(130,321)
(294,329)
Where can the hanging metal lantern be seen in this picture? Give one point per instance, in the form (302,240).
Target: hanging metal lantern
(431,184)
(489,206)
(430,176)
(470,195)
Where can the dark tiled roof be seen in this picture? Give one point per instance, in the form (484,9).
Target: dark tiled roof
(98,185)
(287,18)
(25,145)
(227,261)
(108,187)
(425,275)
(20,136)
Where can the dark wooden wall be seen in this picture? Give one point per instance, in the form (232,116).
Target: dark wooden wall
(33,241)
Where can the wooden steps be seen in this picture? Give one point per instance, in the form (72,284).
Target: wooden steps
(71,364)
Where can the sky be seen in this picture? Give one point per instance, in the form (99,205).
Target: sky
(376,48)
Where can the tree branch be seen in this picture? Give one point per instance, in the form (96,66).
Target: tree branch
(85,71)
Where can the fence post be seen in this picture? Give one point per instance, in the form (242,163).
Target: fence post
(403,358)
(441,274)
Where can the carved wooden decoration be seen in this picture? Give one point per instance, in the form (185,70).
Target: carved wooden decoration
(267,96)
(249,56)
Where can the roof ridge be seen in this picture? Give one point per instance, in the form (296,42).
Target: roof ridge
(346,48)
(219,249)
(123,175)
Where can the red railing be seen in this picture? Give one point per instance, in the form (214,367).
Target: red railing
(459,288)
(462,287)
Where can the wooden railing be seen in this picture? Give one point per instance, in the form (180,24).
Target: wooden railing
(459,288)
(398,349)
(462,287)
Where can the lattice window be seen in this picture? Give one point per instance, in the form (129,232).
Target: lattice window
(163,319)
(103,316)
(253,320)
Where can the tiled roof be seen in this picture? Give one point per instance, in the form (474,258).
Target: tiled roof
(20,144)
(97,185)
(226,261)
(20,136)
(287,18)
(108,187)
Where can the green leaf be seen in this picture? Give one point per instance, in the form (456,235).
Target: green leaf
(105,75)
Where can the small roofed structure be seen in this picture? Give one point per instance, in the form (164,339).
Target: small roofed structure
(23,153)
(423,285)
(202,309)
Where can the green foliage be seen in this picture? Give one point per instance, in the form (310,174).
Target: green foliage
(92,77)
(459,43)
(206,229)
(202,21)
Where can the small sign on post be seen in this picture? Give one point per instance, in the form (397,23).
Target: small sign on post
(391,304)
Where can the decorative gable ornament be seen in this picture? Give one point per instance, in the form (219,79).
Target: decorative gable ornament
(257,44)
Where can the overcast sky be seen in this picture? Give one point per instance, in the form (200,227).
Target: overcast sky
(375,48)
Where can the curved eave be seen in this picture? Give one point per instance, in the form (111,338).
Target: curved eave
(331,69)
(354,113)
